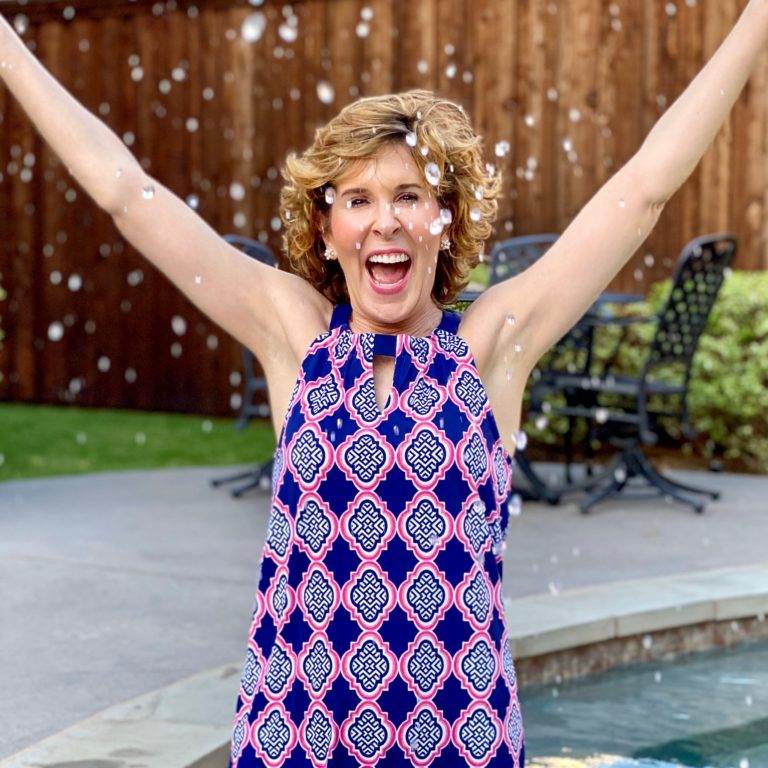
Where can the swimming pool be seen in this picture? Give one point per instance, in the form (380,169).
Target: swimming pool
(705,710)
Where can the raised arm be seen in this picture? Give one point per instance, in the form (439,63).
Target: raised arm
(554,293)
(247,299)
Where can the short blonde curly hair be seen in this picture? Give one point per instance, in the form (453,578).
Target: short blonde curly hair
(467,187)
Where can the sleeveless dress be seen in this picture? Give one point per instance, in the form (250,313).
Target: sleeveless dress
(378,635)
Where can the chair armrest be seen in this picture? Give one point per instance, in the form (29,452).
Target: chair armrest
(595,320)
(619,298)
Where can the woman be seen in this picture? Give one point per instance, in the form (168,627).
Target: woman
(378,635)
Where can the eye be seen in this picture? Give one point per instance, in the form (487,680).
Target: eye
(356,200)
(410,195)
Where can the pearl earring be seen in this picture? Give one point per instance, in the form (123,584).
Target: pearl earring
(330,254)
(445,243)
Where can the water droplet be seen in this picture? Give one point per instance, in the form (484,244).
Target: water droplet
(288,31)
(475,214)
(446,216)
(511,320)
(622,203)
(55,331)
(148,192)
(657,677)
(410,139)
(436,226)
(501,148)
(179,325)
(514,506)
(193,201)
(647,642)
(530,121)
(362,29)
(325,92)
(520,439)
(253,27)
(433,174)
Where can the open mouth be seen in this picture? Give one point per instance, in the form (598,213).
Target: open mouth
(388,273)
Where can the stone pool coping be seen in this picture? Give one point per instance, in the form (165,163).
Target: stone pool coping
(187,724)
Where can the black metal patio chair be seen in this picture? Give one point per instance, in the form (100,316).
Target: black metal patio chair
(698,275)
(508,258)
(253,383)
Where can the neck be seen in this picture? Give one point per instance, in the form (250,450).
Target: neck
(422,323)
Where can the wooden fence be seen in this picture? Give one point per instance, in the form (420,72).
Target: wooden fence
(574,86)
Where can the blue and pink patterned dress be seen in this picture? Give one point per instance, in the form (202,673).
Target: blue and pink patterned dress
(378,635)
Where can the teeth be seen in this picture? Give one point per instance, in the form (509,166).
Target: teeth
(389,258)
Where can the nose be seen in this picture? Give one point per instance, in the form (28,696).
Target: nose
(386,222)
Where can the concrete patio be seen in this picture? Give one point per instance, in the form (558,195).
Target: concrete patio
(118,584)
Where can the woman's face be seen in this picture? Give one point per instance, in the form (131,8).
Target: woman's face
(385,203)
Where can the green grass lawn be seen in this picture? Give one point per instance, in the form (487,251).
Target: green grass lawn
(41,440)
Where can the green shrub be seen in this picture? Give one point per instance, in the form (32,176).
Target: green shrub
(728,390)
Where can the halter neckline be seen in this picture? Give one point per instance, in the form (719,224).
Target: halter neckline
(449,321)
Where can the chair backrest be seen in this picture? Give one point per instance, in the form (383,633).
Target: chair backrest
(699,273)
(511,257)
(514,255)
(253,248)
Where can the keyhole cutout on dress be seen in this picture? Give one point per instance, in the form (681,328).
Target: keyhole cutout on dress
(383,376)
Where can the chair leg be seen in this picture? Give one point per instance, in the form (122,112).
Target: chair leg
(641,466)
(217,481)
(541,491)
(569,450)
(613,488)
(651,470)
(592,480)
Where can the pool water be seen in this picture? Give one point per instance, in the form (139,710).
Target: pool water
(707,710)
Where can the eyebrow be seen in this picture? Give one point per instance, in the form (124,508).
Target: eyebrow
(364,190)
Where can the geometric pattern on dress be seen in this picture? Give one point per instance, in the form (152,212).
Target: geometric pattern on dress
(273,735)
(279,534)
(469,393)
(473,598)
(476,665)
(323,396)
(369,595)
(367,733)
(425,595)
(425,455)
(380,577)
(253,672)
(424,734)
(316,526)
(472,457)
(310,457)
(423,399)
(319,595)
(477,733)
(361,400)
(367,525)
(369,665)
(318,734)
(365,458)
(318,665)
(425,665)
(281,671)
(425,525)
(280,597)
